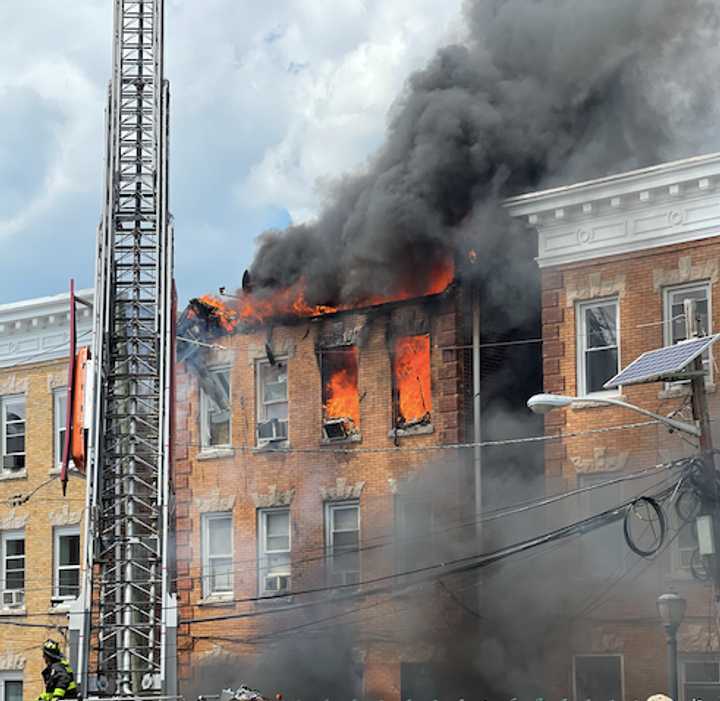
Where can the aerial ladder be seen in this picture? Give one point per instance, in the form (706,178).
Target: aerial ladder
(122,632)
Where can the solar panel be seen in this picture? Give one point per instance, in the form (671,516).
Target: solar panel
(662,363)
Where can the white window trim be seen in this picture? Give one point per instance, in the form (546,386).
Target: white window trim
(667,322)
(580,335)
(204,406)
(3,419)
(18,534)
(622,672)
(696,657)
(677,571)
(330,507)
(59,397)
(205,551)
(10,677)
(263,553)
(59,532)
(260,404)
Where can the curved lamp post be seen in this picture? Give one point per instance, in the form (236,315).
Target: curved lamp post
(544,403)
(671,608)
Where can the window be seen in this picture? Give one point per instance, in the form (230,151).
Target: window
(700,677)
(683,548)
(602,550)
(598,677)
(217,554)
(342,524)
(11,687)
(674,315)
(13,568)
(60,418)
(67,564)
(274,552)
(598,332)
(272,402)
(412,382)
(12,410)
(216,419)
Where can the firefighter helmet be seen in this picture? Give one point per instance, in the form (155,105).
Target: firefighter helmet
(52,650)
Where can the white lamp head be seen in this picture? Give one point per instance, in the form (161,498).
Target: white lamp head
(544,403)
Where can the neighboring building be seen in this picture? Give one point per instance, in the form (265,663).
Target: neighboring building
(339,393)
(618,256)
(39,529)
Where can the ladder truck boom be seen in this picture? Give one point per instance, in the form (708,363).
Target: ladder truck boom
(123,630)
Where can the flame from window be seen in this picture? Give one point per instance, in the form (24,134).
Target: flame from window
(411,372)
(340,385)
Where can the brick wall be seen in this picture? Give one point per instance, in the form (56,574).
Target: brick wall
(243,477)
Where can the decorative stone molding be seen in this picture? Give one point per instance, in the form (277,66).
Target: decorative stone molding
(697,637)
(341,332)
(342,490)
(57,380)
(217,654)
(275,497)
(601,461)
(13,522)
(12,662)
(606,641)
(214,502)
(686,272)
(65,517)
(281,349)
(12,385)
(594,285)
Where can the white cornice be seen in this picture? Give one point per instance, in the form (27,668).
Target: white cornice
(666,204)
(37,330)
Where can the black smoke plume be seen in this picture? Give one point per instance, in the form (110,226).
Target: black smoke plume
(541,92)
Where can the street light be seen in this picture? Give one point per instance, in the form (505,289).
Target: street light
(671,608)
(544,403)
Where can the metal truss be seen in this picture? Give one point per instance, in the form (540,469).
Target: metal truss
(128,611)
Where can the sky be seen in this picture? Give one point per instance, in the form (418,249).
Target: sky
(270,102)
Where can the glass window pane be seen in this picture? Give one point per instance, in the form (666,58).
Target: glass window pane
(69,550)
(277,411)
(15,579)
(345,518)
(69,582)
(278,523)
(15,444)
(677,311)
(15,410)
(15,546)
(600,366)
(345,539)
(278,542)
(221,574)
(701,671)
(275,392)
(220,536)
(13,691)
(16,429)
(601,328)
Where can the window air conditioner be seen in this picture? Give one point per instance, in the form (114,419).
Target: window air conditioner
(272,430)
(13,598)
(335,429)
(277,583)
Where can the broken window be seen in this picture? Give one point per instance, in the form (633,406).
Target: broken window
(272,401)
(273,552)
(342,522)
(340,399)
(411,381)
(674,317)
(598,333)
(12,446)
(215,417)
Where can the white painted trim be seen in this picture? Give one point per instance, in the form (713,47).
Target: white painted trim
(262,552)
(11,677)
(330,508)
(205,445)
(580,307)
(60,532)
(205,520)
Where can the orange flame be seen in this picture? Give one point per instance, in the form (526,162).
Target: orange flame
(341,400)
(291,301)
(411,370)
(224,314)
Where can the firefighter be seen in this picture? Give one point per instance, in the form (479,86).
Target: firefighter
(57,675)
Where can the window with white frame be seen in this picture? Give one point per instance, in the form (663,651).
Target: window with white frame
(66,556)
(674,315)
(273,552)
(700,677)
(60,420)
(12,430)
(598,333)
(598,677)
(216,418)
(11,686)
(217,552)
(684,547)
(602,550)
(342,538)
(272,401)
(13,568)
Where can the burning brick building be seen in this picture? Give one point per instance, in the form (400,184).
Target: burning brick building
(298,431)
(618,258)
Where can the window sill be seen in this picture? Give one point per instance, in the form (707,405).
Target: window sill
(217,600)
(71,470)
(673,391)
(597,404)
(272,447)
(270,600)
(215,453)
(13,612)
(61,607)
(354,438)
(7,475)
(419,430)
